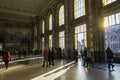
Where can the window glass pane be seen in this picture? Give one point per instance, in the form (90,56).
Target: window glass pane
(118,18)
(50,22)
(43,26)
(113,19)
(106,22)
(84,27)
(76,37)
(43,43)
(61,40)
(80,37)
(50,41)
(61,15)
(106,2)
(79,8)
(110,20)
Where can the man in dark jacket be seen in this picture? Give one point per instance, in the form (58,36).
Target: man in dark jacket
(85,57)
(109,58)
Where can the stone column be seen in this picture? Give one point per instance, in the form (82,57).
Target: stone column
(38,32)
(32,35)
(55,27)
(69,35)
(95,36)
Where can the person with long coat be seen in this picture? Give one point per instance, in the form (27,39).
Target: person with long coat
(45,59)
(109,54)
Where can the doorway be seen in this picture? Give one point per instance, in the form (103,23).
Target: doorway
(80,37)
(112,39)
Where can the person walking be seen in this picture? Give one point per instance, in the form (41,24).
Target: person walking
(63,54)
(89,59)
(45,60)
(76,55)
(50,58)
(85,57)
(7,58)
(81,53)
(109,54)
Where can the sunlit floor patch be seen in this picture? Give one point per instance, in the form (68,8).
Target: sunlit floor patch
(23,60)
(11,68)
(51,75)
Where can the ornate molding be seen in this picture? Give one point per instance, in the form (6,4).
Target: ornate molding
(23,10)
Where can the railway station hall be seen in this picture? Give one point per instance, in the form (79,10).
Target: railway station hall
(59,39)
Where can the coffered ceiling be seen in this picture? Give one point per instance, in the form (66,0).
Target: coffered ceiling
(22,10)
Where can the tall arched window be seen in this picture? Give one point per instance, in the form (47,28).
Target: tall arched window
(50,22)
(79,8)
(61,15)
(43,26)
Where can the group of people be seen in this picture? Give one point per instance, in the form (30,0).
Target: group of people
(6,57)
(48,59)
(49,56)
(86,57)
(69,54)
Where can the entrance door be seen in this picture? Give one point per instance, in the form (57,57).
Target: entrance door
(112,39)
(112,34)
(80,37)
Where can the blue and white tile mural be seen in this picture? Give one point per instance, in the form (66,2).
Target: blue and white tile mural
(13,40)
(112,39)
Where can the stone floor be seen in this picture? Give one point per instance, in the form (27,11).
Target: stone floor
(31,69)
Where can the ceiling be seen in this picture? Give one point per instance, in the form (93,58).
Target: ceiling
(22,10)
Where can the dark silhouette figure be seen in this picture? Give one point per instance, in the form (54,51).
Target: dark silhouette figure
(25,53)
(81,52)
(50,58)
(63,54)
(89,59)
(45,59)
(76,55)
(85,57)
(7,58)
(109,58)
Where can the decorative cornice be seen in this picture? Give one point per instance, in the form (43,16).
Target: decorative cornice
(10,23)
(16,17)
(17,12)
(49,5)
(24,10)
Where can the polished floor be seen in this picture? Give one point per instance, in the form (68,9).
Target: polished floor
(31,69)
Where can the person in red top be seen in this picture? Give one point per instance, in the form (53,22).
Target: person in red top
(6,59)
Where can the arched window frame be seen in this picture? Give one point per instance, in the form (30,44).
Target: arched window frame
(50,22)
(61,15)
(79,8)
